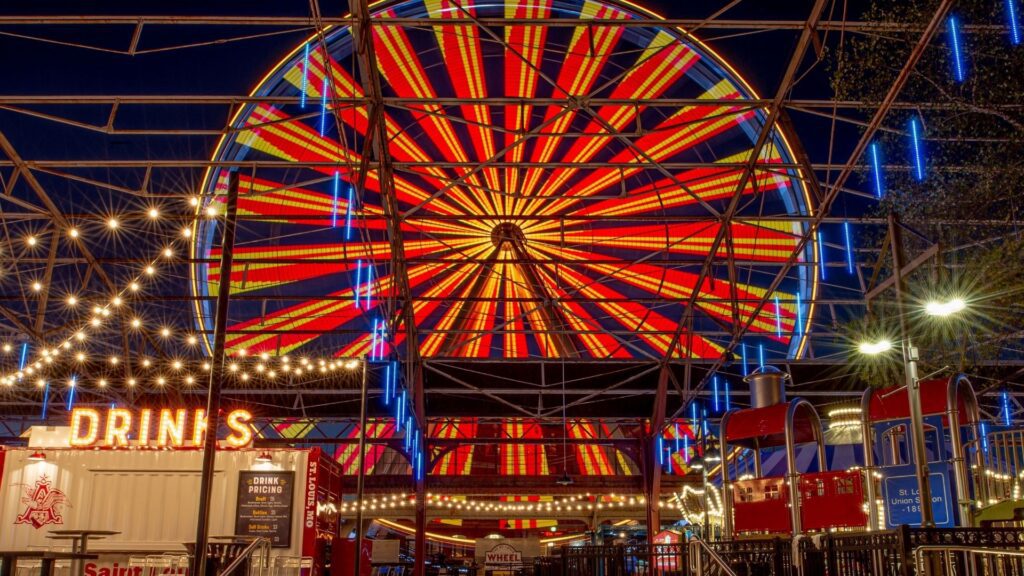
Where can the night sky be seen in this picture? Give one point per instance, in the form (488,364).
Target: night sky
(34,67)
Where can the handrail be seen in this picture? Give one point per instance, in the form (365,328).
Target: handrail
(919,553)
(263,544)
(698,548)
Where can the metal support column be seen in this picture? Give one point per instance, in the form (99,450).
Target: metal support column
(867,442)
(216,377)
(910,371)
(652,471)
(420,558)
(361,465)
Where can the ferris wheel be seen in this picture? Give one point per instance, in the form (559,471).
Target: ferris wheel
(559,183)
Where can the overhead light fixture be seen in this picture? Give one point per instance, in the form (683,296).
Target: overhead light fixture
(944,309)
(264,458)
(565,480)
(872,348)
(37,456)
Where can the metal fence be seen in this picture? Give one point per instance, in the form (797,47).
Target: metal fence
(890,553)
(970,551)
(760,557)
(764,557)
(631,560)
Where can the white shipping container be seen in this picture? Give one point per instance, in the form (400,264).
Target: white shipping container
(149,496)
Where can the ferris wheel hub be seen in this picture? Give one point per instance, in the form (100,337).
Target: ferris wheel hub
(508,236)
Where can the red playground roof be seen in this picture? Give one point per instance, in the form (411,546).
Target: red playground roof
(891,403)
(768,425)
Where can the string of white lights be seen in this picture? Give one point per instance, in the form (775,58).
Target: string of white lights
(243,367)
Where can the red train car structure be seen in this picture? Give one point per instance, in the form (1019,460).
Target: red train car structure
(882,493)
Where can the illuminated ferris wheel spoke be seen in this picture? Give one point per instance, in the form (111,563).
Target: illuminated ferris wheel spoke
(593,456)
(459,460)
(404,73)
(650,326)
(402,146)
(599,343)
(347,455)
(513,326)
(708,184)
(470,320)
(263,267)
(657,147)
(460,46)
(660,66)
(676,285)
(450,321)
(257,268)
(586,55)
(524,50)
(272,201)
(713,298)
(294,140)
(289,328)
(304,320)
(756,243)
(424,306)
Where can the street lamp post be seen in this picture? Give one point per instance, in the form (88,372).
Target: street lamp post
(924,488)
(917,438)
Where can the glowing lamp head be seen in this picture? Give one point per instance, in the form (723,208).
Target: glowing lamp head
(945,309)
(37,456)
(874,348)
(264,458)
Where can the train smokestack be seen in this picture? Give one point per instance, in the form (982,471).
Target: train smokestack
(767,386)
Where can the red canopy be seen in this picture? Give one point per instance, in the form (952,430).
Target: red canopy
(768,425)
(891,403)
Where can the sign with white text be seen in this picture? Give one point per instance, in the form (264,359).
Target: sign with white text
(903,502)
(264,506)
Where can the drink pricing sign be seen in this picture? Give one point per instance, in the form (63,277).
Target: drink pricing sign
(265,506)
